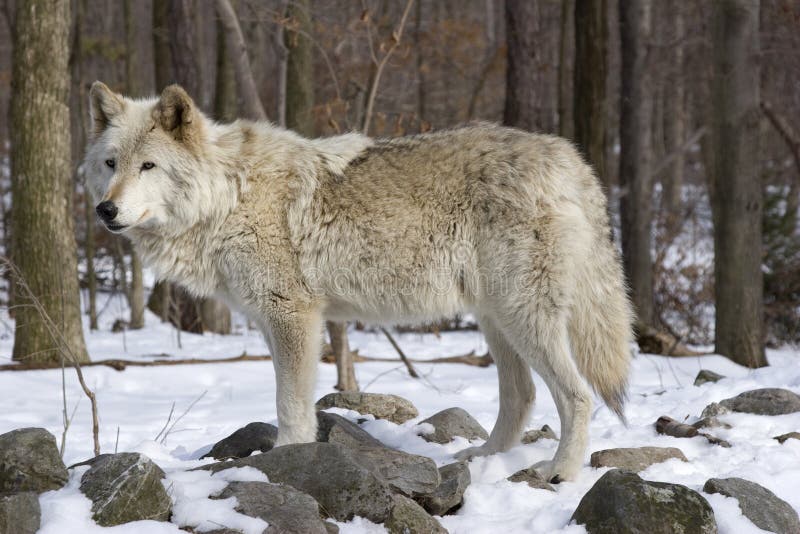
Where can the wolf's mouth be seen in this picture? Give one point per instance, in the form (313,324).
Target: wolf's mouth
(115,227)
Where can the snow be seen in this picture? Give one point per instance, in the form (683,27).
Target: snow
(136,403)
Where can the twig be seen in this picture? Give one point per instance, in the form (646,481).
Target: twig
(188,409)
(58,339)
(409,366)
(116,442)
(169,418)
(397,34)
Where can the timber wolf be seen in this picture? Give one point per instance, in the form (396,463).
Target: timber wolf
(508,225)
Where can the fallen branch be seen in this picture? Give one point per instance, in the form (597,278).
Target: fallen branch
(403,357)
(670,427)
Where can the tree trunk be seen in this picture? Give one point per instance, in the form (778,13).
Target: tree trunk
(299,68)
(162,56)
(226,105)
(522,91)
(345,370)
(589,82)
(737,203)
(636,154)
(136,298)
(43,241)
(183,45)
(674,119)
(566,126)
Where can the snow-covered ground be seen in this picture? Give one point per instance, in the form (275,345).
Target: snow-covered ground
(134,406)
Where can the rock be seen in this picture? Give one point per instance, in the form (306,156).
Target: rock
(125,487)
(409,474)
(714,409)
(329,472)
(532,436)
(287,510)
(765,509)
(331,528)
(705,376)
(453,422)
(448,496)
(407,517)
(622,503)
(532,478)
(710,422)
(245,441)
(29,461)
(390,407)
(20,513)
(783,437)
(635,459)
(766,401)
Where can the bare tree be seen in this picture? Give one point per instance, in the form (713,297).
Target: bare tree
(43,241)
(738,198)
(299,68)
(522,93)
(589,81)
(636,155)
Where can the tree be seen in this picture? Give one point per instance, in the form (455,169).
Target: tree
(674,118)
(737,201)
(635,156)
(299,68)
(522,96)
(589,82)
(43,242)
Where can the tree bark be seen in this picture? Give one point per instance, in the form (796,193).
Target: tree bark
(225,100)
(566,126)
(299,68)
(162,56)
(589,82)
(251,103)
(522,91)
(345,370)
(738,196)
(674,118)
(636,155)
(43,241)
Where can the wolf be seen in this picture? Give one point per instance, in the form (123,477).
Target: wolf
(508,225)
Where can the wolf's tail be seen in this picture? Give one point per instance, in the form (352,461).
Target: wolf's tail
(600,321)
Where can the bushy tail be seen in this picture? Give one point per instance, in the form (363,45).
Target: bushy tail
(600,326)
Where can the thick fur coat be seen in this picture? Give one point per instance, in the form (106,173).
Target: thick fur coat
(508,225)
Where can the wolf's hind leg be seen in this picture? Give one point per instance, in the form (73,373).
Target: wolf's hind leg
(546,347)
(517,394)
(295,341)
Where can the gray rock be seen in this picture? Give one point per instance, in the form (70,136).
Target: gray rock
(328,421)
(287,510)
(391,407)
(710,422)
(766,401)
(635,459)
(765,509)
(20,513)
(29,461)
(331,528)
(705,376)
(790,435)
(453,422)
(532,478)
(125,487)
(245,441)
(450,493)
(329,472)
(407,517)
(409,474)
(713,410)
(622,503)
(532,436)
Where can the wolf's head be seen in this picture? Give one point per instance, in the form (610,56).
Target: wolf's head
(147,162)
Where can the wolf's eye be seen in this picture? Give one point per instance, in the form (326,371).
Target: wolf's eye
(111,163)
(147,165)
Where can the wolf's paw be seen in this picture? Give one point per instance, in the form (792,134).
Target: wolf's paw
(555,472)
(474,452)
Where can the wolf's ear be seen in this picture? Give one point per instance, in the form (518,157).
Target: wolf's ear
(176,112)
(104,104)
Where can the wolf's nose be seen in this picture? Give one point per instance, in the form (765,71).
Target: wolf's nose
(107,210)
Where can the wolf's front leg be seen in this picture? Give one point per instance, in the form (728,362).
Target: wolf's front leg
(295,339)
